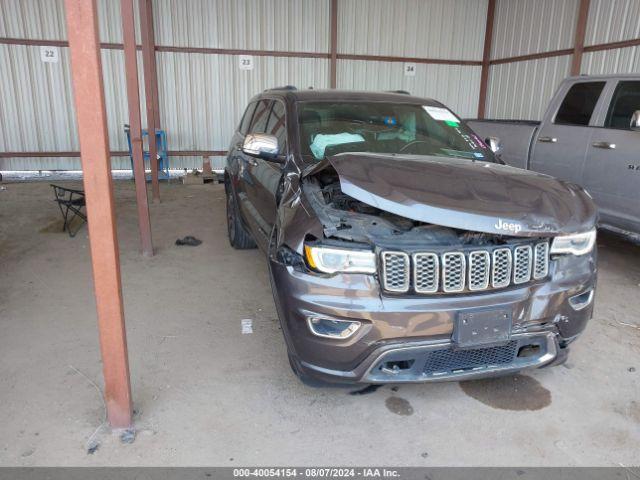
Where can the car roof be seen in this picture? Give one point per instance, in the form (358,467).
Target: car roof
(311,95)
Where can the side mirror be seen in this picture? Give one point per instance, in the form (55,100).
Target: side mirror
(262,145)
(635,121)
(494,144)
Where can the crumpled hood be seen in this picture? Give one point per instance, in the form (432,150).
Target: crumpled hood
(464,194)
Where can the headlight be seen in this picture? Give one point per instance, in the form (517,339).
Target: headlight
(577,244)
(332,260)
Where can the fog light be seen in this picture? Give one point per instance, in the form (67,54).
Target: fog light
(582,300)
(332,328)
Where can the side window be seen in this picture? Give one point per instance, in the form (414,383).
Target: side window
(626,100)
(261,116)
(577,107)
(277,124)
(246,119)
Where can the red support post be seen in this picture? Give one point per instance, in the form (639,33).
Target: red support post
(148,63)
(135,128)
(486,58)
(581,30)
(86,70)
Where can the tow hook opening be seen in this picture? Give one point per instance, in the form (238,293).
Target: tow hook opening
(396,366)
(529,351)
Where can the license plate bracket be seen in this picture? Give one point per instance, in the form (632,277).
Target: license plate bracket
(482,327)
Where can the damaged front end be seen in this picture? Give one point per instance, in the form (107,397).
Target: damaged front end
(366,294)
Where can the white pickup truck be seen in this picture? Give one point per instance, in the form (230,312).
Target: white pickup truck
(589,135)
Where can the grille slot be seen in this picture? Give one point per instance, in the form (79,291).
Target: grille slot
(439,362)
(453,271)
(426,272)
(501,271)
(395,266)
(522,264)
(457,271)
(541,260)
(479,264)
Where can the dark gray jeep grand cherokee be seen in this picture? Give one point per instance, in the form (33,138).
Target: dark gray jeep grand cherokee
(400,248)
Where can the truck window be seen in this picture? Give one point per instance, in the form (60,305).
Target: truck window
(577,107)
(626,100)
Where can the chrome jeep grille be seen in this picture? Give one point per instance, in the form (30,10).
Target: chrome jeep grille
(501,268)
(471,270)
(479,266)
(395,271)
(454,266)
(426,272)
(541,260)
(522,264)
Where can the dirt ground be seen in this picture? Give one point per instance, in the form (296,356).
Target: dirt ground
(205,394)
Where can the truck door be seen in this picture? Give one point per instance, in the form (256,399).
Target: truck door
(612,170)
(560,148)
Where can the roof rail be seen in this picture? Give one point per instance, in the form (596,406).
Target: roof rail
(403,92)
(286,87)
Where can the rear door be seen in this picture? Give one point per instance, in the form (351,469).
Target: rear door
(561,145)
(612,171)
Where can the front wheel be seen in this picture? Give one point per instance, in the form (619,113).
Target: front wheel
(239,237)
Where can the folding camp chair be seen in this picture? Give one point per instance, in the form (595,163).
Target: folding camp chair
(71,203)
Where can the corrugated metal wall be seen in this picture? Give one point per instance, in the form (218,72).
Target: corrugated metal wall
(282,25)
(36,98)
(612,21)
(437,29)
(456,86)
(202,95)
(523,27)
(412,28)
(522,90)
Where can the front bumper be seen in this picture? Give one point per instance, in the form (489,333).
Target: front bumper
(409,338)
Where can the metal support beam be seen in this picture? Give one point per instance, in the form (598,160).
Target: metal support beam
(133,100)
(486,58)
(334,44)
(154,71)
(581,30)
(148,62)
(86,71)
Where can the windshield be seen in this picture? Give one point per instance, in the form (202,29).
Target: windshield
(328,128)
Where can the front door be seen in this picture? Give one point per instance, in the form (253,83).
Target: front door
(266,175)
(561,145)
(612,172)
(248,197)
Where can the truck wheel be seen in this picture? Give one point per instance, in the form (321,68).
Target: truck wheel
(239,237)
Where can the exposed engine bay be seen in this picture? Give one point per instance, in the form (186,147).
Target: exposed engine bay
(346,218)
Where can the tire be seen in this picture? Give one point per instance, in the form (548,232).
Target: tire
(239,237)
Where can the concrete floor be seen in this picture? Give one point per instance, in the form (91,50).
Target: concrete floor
(205,394)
